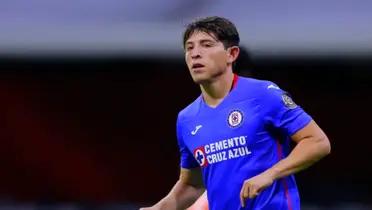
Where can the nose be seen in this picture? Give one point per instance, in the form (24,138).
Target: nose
(195,53)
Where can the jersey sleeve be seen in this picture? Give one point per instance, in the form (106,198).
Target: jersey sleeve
(281,111)
(187,158)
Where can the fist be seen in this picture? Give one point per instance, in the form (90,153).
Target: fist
(253,186)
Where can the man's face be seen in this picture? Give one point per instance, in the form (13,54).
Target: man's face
(205,56)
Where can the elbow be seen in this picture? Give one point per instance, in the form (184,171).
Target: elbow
(325,146)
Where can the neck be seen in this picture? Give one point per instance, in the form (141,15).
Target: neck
(215,91)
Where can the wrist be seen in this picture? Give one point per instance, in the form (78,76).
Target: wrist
(273,173)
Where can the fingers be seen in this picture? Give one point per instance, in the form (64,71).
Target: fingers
(253,193)
(244,192)
(248,190)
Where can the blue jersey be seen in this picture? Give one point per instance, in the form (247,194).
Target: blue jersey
(247,133)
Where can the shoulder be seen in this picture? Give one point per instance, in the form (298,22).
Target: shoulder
(267,94)
(258,88)
(190,111)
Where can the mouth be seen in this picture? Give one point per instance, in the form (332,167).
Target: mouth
(197,66)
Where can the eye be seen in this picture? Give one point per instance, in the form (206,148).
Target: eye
(207,44)
(189,47)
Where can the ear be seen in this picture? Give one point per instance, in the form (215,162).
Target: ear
(233,53)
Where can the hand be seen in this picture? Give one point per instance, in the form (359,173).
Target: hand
(253,186)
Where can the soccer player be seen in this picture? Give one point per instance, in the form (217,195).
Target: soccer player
(234,139)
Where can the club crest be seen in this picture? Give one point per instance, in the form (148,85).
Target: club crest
(235,118)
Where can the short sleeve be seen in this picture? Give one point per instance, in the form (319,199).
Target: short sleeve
(187,158)
(281,111)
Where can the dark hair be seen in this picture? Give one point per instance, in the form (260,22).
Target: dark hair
(223,29)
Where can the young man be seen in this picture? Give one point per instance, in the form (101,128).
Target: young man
(235,137)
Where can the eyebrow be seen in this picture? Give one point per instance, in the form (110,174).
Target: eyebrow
(201,41)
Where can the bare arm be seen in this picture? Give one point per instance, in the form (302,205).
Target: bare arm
(312,145)
(185,192)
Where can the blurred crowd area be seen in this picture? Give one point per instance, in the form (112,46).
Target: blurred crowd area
(102,130)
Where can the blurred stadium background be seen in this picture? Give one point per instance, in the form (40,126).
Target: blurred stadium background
(90,91)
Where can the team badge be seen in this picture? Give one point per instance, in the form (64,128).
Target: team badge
(200,156)
(235,118)
(288,102)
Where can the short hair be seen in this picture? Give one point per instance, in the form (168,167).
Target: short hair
(223,29)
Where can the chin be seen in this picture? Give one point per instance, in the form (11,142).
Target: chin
(200,79)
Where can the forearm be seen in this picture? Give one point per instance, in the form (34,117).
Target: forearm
(180,197)
(306,152)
